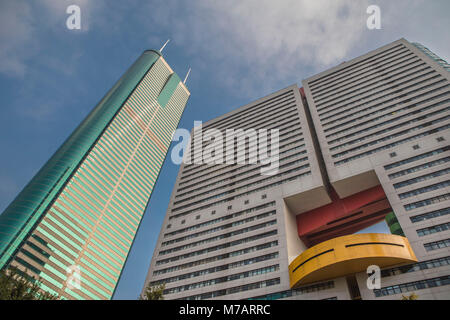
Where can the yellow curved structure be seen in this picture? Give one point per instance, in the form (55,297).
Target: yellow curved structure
(347,255)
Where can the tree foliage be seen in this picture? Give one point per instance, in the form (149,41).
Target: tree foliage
(17,285)
(154,292)
(413,296)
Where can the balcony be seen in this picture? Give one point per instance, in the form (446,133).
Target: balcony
(349,254)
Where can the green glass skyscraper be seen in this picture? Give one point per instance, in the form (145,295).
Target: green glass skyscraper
(74,223)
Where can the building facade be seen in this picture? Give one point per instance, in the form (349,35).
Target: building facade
(74,223)
(364,142)
(383,119)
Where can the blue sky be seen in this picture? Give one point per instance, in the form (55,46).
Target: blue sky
(51,77)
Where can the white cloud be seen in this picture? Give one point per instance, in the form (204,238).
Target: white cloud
(256,46)
(256,43)
(56,10)
(251,47)
(24,26)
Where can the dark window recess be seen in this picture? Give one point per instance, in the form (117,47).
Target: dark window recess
(393,154)
(353,288)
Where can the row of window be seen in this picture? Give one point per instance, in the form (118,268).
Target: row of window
(284,123)
(237,276)
(425,177)
(415,158)
(433,56)
(392,128)
(384,101)
(435,245)
(307,173)
(387,101)
(264,105)
(424,265)
(343,77)
(233,177)
(430,215)
(234,182)
(397,134)
(361,99)
(220,237)
(283,115)
(419,168)
(218,247)
(217,258)
(246,287)
(224,267)
(396,143)
(216,229)
(433,229)
(209,174)
(401,65)
(348,72)
(427,202)
(412,286)
(242,141)
(377,78)
(432,187)
(296,292)
(216,196)
(389,115)
(223,218)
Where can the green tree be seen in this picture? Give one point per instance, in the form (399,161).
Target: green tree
(154,292)
(15,285)
(413,296)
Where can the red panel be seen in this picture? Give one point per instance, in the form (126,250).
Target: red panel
(343,216)
(302,92)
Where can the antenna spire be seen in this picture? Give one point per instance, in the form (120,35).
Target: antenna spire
(160,50)
(187,75)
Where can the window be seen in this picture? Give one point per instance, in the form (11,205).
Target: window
(213,212)
(433,229)
(218,247)
(183,221)
(246,202)
(430,215)
(412,286)
(393,154)
(427,202)
(197,217)
(416,146)
(437,245)
(264,196)
(424,189)
(216,238)
(168,226)
(298,291)
(230,207)
(440,139)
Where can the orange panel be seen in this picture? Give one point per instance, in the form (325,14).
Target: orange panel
(348,255)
